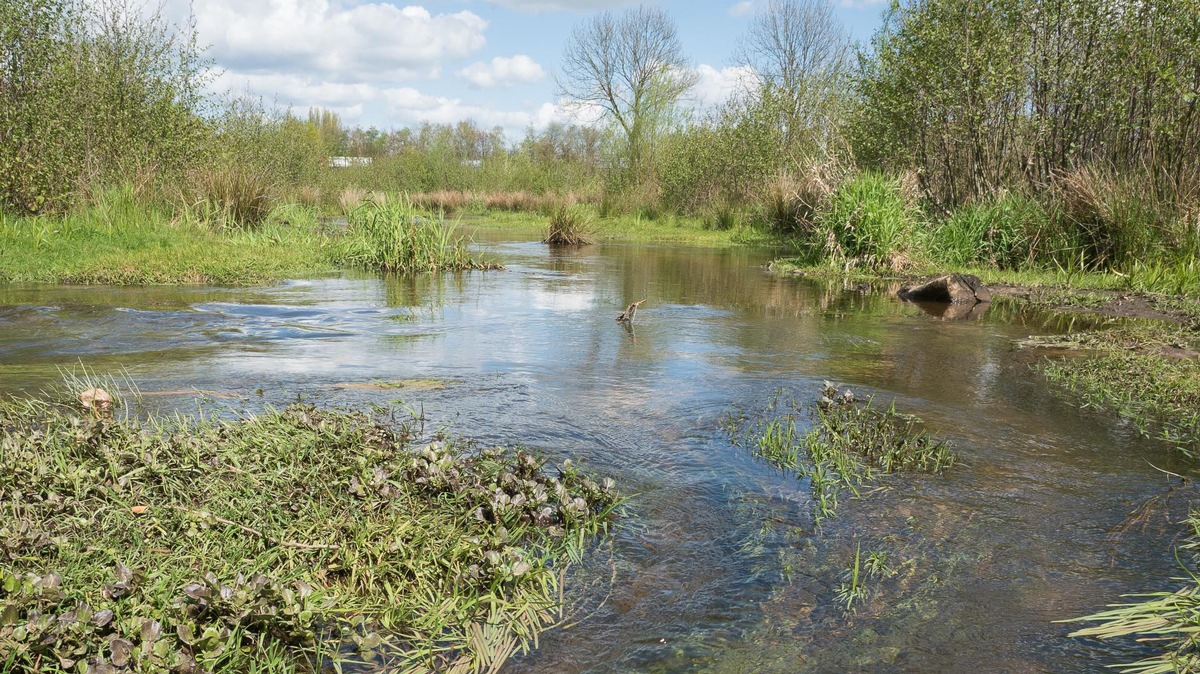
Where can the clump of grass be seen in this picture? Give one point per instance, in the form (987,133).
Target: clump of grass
(1006,233)
(1116,218)
(230,198)
(1170,620)
(271,542)
(308,196)
(793,201)
(350,199)
(393,236)
(847,442)
(570,226)
(1130,374)
(869,222)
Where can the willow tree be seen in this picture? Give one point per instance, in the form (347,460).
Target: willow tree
(630,67)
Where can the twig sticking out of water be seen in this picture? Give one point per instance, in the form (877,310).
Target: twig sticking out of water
(630,311)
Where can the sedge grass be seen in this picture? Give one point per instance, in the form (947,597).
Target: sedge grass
(1168,621)
(393,236)
(273,542)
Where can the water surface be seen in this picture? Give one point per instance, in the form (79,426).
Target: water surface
(718,567)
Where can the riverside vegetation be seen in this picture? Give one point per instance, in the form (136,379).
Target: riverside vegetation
(1019,140)
(268,543)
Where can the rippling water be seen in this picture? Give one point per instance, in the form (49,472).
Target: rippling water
(718,567)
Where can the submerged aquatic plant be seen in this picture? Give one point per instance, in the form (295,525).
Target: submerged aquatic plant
(848,440)
(271,542)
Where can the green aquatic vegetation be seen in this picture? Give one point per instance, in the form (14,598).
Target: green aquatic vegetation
(275,542)
(1147,374)
(570,226)
(847,442)
(1169,620)
(394,236)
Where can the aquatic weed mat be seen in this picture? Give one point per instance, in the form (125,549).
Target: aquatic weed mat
(1149,375)
(839,444)
(275,543)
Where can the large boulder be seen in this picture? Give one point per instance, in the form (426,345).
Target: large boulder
(952,288)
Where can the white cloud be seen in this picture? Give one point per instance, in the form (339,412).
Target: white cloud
(862,4)
(503,72)
(365,42)
(741,9)
(561,5)
(714,87)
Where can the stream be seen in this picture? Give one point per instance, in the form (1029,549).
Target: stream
(1051,513)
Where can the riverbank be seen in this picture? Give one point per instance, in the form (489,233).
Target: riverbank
(274,542)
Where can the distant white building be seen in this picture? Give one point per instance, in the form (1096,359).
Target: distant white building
(347,162)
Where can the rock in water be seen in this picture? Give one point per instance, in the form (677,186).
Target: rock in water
(952,288)
(97,400)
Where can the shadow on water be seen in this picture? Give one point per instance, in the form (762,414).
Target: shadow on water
(718,567)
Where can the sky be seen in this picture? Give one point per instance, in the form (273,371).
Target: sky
(394,65)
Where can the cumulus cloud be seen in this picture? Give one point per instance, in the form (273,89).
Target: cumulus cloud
(365,42)
(741,8)
(503,72)
(714,87)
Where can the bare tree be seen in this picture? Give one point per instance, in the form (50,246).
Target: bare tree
(799,52)
(631,67)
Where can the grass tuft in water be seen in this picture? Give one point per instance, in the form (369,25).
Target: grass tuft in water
(275,542)
(847,442)
(394,236)
(1169,620)
(570,226)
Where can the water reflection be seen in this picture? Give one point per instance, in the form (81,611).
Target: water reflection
(719,568)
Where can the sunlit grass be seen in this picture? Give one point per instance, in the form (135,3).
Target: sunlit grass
(270,542)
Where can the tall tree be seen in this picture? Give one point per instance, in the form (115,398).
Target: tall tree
(798,51)
(632,68)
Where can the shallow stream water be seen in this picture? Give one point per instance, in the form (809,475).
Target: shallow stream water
(718,566)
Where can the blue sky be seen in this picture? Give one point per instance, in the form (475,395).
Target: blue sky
(396,64)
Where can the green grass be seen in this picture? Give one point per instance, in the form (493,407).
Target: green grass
(1128,374)
(391,235)
(848,441)
(270,542)
(1167,620)
(570,226)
